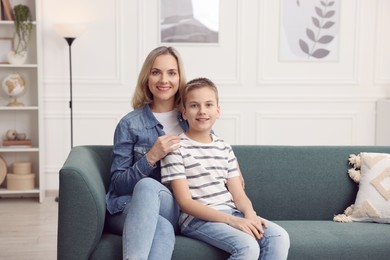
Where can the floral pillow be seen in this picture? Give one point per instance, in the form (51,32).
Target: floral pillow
(372,204)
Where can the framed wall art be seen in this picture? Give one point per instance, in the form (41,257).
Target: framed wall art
(309,30)
(189,21)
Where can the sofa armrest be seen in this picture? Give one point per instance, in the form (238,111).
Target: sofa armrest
(84,179)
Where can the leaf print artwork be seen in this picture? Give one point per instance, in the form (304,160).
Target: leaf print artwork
(321,24)
(309,30)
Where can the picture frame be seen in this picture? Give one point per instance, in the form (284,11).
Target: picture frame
(189,21)
(5,48)
(309,30)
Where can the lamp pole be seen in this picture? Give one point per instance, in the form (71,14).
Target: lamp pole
(70,40)
(69,32)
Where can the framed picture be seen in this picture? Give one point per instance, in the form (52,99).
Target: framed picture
(5,48)
(189,21)
(309,30)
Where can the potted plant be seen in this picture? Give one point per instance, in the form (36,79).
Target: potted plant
(23,27)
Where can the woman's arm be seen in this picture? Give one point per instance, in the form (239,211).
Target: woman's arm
(132,162)
(126,169)
(163,146)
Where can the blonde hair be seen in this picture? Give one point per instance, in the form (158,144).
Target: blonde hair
(142,95)
(197,84)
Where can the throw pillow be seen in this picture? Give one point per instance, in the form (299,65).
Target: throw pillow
(373,198)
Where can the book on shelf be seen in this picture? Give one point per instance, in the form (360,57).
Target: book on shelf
(18,143)
(7,12)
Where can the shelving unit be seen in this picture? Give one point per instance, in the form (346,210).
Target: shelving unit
(28,118)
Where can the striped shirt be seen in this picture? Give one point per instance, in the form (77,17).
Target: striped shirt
(206,168)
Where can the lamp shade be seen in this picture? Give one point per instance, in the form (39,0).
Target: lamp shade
(69,30)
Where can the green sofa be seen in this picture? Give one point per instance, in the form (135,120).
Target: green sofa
(299,187)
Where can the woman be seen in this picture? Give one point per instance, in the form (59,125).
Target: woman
(140,207)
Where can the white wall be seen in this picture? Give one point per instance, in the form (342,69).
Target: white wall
(264,100)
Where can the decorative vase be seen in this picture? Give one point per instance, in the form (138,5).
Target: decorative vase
(17,58)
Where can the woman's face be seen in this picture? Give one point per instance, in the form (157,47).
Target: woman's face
(163,82)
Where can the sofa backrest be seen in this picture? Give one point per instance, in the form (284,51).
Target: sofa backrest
(283,182)
(299,182)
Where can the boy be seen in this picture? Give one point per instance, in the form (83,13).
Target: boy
(205,181)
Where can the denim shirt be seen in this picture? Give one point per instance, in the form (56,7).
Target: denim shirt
(134,135)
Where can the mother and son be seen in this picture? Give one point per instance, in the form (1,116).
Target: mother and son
(171,172)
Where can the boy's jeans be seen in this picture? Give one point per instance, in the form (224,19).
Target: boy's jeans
(274,245)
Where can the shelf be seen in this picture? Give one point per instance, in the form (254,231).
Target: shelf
(12,66)
(4,191)
(4,149)
(7,22)
(7,108)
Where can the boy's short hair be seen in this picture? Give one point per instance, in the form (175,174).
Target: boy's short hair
(196,84)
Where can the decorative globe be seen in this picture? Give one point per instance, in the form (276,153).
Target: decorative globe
(14,85)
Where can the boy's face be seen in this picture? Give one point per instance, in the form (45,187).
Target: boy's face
(201,109)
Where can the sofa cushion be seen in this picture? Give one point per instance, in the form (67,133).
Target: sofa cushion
(110,247)
(198,250)
(373,199)
(332,240)
(320,240)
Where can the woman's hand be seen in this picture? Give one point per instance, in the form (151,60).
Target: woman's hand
(163,145)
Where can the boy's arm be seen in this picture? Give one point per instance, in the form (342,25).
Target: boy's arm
(194,208)
(242,201)
(183,197)
(241,177)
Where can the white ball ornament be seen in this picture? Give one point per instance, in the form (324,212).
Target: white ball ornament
(11,134)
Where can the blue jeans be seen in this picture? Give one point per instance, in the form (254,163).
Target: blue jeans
(274,244)
(148,222)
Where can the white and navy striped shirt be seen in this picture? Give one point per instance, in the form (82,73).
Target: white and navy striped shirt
(206,168)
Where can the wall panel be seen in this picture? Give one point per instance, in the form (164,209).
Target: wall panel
(382,51)
(302,128)
(228,127)
(264,100)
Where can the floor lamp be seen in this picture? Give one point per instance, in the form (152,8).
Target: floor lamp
(69,32)
(70,40)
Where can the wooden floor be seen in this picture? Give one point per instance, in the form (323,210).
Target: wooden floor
(28,229)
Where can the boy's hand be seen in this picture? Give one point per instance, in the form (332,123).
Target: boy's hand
(253,216)
(253,227)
